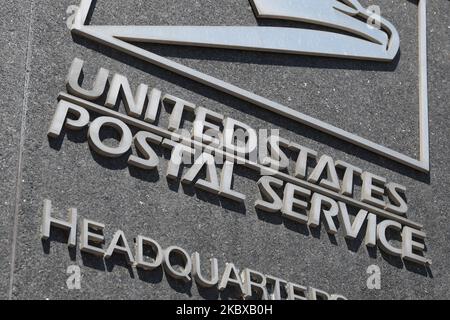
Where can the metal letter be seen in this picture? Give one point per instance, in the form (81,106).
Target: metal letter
(177,112)
(277,158)
(296,292)
(253,280)
(153,106)
(369,189)
(348,180)
(266,190)
(290,201)
(133,105)
(371,231)
(302,159)
(351,230)
(178,274)
(141,242)
(231,277)
(48,221)
(119,244)
(60,117)
(332,180)
(211,184)
(73,78)
(226,180)
(398,204)
(381,235)
(150,159)
(201,115)
(86,237)
(176,159)
(229,126)
(409,244)
(276,287)
(97,144)
(316,294)
(197,274)
(318,201)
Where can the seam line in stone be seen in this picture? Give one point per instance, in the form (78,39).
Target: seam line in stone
(18,192)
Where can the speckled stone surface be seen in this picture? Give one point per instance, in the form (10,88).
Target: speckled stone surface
(375,100)
(14,31)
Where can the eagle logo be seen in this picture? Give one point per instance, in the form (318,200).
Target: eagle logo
(345,34)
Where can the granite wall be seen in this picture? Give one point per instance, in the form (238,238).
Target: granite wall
(376,100)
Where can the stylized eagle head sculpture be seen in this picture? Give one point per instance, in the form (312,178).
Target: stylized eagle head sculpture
(346,34)
(346,15)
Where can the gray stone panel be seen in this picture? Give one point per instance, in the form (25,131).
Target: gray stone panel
(138,202)
(14,39)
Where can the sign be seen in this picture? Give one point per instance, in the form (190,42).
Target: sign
(305,196)
(247,283)
(294,181)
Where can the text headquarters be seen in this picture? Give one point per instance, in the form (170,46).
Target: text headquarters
(295,182)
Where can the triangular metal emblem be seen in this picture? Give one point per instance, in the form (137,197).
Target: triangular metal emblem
(354,39)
